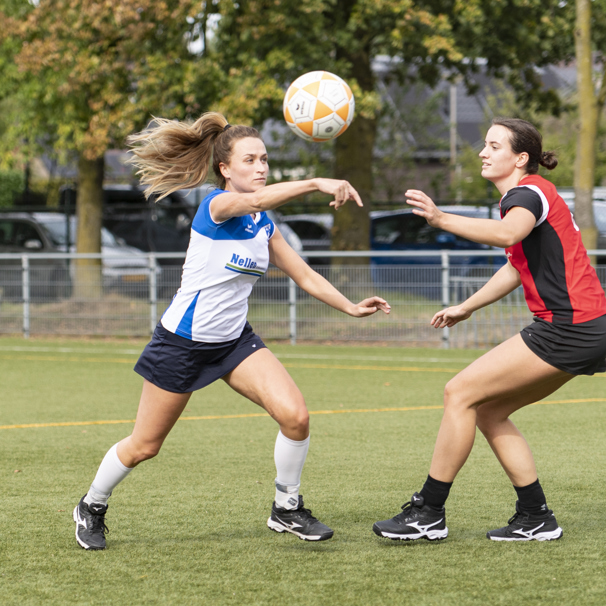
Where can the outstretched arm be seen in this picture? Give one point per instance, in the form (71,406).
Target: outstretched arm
(506,280)
(513,228)
(285,258)
(234,204)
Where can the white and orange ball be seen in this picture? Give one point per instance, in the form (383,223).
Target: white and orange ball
(318,106)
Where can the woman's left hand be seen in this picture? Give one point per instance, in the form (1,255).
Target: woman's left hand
(369,307)
(424,206)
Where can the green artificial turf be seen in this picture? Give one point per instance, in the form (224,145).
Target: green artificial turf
(189,526)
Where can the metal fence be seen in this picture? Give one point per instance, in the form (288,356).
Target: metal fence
(39,295)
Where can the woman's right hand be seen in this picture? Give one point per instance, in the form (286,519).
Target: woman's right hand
(342,191)
(450,316)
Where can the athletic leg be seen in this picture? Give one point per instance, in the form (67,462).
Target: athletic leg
(506,441)
(262,379)
(158,412)
(508,373)
(511,375)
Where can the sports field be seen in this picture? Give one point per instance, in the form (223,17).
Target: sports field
(189,527)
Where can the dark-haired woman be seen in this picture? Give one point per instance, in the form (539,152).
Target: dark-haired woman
(567,338)
(203,335)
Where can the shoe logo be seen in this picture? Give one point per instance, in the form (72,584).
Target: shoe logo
(96,508)
(292,525)
(80,521)
(529,533)
(424,528)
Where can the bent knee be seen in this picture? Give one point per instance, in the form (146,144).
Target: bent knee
(295,418)
(299,421)
(454,397)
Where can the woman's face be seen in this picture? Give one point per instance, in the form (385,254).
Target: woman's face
(498,159)
(248,168)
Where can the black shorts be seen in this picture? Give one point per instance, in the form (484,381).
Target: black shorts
(579,349)
(180,365)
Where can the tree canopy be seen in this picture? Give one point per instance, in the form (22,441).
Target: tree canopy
(265,44)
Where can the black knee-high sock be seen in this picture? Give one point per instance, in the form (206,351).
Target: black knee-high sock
(532,498)
(435,492)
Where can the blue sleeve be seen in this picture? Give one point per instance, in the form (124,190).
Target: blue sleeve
(203,222)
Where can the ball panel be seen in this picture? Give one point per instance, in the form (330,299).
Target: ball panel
(312,88)
(334,92)
(287,115)
(306,127)
(322,110)
(302,106)
(290,93)
(343,112)
(326,128)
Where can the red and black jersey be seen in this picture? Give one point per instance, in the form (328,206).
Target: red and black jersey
(559,283)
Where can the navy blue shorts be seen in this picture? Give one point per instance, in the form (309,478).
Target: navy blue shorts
(579,349)
(180,365)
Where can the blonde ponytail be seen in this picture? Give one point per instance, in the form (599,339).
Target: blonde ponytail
(175,155)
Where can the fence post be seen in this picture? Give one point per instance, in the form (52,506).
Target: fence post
(445,295)
(153,293)
(292,310)
(25,288)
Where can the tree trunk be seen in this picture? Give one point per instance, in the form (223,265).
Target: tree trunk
(584,174)
(353,162)
(89,209)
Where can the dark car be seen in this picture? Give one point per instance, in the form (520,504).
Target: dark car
(314,232)
(148,225)
(49,278)
(403,230)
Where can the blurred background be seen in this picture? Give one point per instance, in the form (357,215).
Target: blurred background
(82,252)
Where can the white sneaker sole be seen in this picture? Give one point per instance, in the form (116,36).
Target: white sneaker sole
(432,535)
(554,535)
(277,527)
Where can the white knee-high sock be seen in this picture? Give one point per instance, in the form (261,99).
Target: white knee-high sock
(289,456)
(111,472)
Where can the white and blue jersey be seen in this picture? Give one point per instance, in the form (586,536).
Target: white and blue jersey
(223,262)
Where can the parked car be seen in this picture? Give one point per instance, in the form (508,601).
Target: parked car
(314,232)
(49,278)
(47,232)
(148,225)
(121,263)
(403,230)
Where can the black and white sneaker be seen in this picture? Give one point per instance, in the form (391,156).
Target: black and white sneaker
(524,526)
(299,522)
(417,521)
(90,524)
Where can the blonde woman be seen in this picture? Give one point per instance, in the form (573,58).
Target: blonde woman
(203,336)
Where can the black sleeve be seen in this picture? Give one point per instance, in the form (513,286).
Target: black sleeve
(524,197)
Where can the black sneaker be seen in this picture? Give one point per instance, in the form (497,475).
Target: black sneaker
(298,521)
(417,521)
(524,526)
(90,524)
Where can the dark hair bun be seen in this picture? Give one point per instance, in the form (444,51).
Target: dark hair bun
(548,160)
